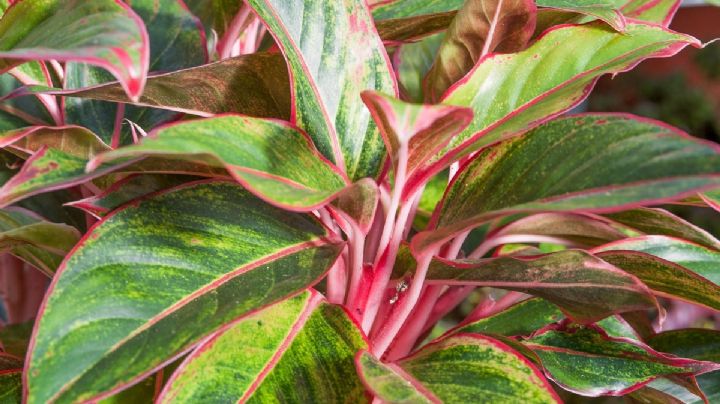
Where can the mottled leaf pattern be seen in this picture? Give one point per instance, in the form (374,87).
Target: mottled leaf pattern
(523,318)
(185,271)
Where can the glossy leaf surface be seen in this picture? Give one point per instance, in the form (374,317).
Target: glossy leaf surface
(301,350)
(272,158)
(190,260)
(464,367)
(327,80)
(578,361)
(390,383)
(479,28)
(586,288)
(106,33)
(588,163)
(523,318)
(512,93)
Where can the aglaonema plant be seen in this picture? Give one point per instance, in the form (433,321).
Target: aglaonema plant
(334,201)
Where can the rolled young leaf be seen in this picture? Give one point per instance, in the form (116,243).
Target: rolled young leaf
(159,275)
(301,350)
(327,80)
(579,163)
(273,159)
(586,288)
(578,359)
(479,28)
(106,33)
(460,369)
(513,93)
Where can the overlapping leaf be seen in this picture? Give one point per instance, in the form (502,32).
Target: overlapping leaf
(479,28)
(580,163)
(512,93)
(38,242)
(301,349)
(155,277)
(458,369)
(10,378)
(106,33)
(578,360)
(216,15)
(327,80)
(523,318)
(272,158)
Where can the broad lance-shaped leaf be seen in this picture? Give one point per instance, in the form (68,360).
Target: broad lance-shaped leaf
(38,242)
(126,190)
(211,89)
(105,33)
(458,369)
(523,318)
(272,158)
(59,156)
(327,80)
(657,11)
(159,275)
(656,221)
(419,131)
(176,42)
(578,229)
(577,163)
(586,288)
(479,28)
(299,350)
(578,360)
(665,278)
(698,259)
(11,369)
(412,61)
(512,93)
(700,344)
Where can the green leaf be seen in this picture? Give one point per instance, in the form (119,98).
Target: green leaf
(210,89)
(15,338)
(412,61)
(512,93)
(216,15)
(605,10)
(479,28)
(176,42)
(126,190)
(419,131)
(665,278)
(579,360)
(523,318)
(465,367)
(58,160)
(701,260)
(410,8)
(359,203)
(10,378)
(38,242)
(271,158)
(390,382)
(159,275)
(299,350)
(586,288)
(577,163)
(105,33)
(712,198)
(656,221)
(579,229)
(327,80)
(660,11)
(414,28)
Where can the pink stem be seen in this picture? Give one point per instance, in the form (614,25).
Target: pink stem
(239,22)
(415,325)
(446,303)
(49,101)
(491,243)
(117,129)
(336,280)
(356,245)
(484,309)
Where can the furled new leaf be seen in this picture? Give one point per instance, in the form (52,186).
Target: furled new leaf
(578,360)
(157,276)
(300,350)
(588,163)
(479,28)
(105,33)
(327,80)
(273,159)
